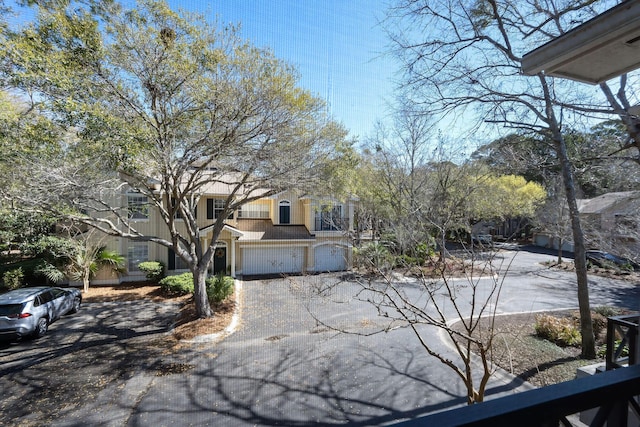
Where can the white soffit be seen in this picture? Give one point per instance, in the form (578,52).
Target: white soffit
(598,50)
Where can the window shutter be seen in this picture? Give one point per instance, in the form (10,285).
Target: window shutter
(210,213)
(171,259)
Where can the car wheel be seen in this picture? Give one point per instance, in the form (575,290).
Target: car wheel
(41,327)
(76,305)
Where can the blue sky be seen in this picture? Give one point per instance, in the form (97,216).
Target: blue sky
(336,45)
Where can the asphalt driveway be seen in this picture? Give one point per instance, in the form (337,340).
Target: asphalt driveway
(103,344)
(284,368)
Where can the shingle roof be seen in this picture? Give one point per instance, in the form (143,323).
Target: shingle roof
(264,229)
(621,201)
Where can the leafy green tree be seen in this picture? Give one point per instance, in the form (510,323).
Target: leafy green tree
(506,196)
(165,104)
(22,232)
(599,164)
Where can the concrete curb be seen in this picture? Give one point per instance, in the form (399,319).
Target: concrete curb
(231,328)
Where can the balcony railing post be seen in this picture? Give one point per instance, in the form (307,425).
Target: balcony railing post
(628,327)
(611,343)
(634,343)
(619,415)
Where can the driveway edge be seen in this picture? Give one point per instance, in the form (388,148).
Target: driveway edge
(233,325)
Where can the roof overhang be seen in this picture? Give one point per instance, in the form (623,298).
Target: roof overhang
(602,48)
(204,232)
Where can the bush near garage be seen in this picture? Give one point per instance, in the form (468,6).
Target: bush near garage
(153,270)
(12,279)
(219,288)
(372,256)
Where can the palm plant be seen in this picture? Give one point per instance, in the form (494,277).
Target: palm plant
(88,260)
(81,260)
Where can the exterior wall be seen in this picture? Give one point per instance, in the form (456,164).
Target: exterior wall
(302,212)
(308,214)
(297,208)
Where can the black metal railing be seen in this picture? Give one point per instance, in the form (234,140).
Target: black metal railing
(329,223)
(611,391)
(623,345)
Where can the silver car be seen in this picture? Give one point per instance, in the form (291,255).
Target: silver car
(30,311)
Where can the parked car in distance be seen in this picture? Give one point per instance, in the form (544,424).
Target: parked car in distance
(482,239)
(30,311)
(601,259)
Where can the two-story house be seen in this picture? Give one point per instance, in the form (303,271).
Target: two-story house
(280,234)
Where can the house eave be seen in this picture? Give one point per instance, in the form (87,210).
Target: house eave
(600,49)
(233,231)
(276,242)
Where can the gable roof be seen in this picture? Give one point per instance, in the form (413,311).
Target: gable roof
(234,231)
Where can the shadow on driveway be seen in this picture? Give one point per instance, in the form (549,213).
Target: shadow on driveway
(80,355)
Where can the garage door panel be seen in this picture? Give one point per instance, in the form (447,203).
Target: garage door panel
(330,258)
(256,261)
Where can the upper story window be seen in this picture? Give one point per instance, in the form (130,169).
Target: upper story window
(178,213)
(215,208)
(330,218)
(254,211)
(284,212)
(137,206)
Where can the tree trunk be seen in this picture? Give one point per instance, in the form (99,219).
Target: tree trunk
(560,243)
(203,308)
(85,282)
(586,325)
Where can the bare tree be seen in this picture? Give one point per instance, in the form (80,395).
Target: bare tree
(400,158)
(462,58)
(463,308)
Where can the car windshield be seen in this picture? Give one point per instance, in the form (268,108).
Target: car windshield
(10,309)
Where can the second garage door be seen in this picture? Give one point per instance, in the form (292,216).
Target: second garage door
(330,258)
(257,261)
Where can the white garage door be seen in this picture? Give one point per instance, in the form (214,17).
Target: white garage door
(272,260)
(330,258)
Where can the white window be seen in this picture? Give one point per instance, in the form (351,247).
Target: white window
(137,206)
(215,208)
(255,211)
(178,213)
(137,253)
